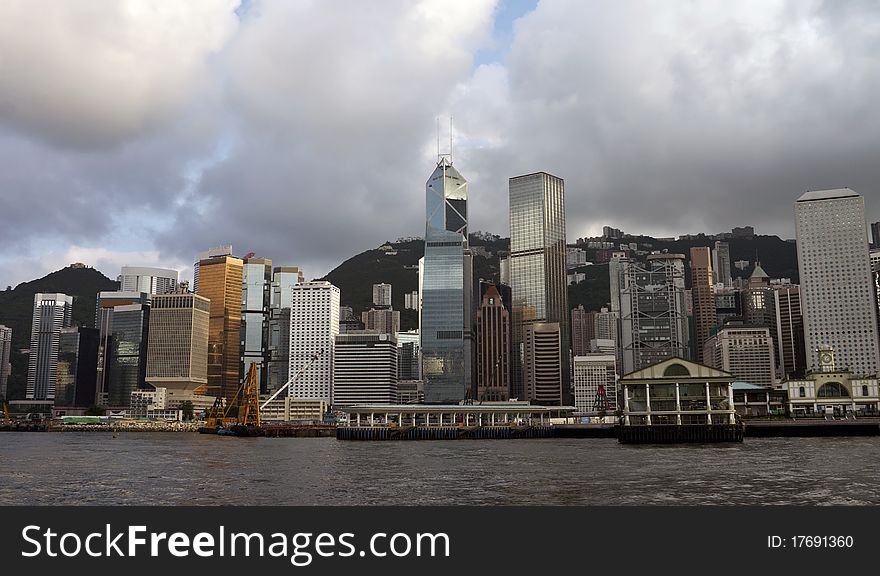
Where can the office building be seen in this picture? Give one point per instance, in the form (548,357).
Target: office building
(583,329)
(542,363)
(177,348)
(744,351)
(123,321)
(789,333)
(283,280)
(493,348)
(595,383)
(875,234)
(728,304)
(256,299)
(148,280)
(314,325)
(703,296)
(52,312)
(364,369)
(216,252)
(382,320)
(446,288)
(77,373)
(220,281)
(653,311)
(721,264)
(537,271)
(382,295)
(411,300)
(837,291)
(5,358)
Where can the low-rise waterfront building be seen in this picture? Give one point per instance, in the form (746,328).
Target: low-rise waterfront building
(830,391)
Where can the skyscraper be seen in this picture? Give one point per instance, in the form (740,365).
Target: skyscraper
(875,234)
(583,329)
(789,344)
(653,316)
(721,264)
(52,312)
(383,321)
(542,363)
(537,269)
(744,351)
(493,348)
(283,280)
(364,369)
(148,280)
(220,281)
(314,324)
(215,252)
(837,292)
(703,298)
(446,280)
(123,320)
(77,374)
(177,350)
(256,296)
(5,358)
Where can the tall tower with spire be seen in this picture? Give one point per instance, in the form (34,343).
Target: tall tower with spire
(446,284)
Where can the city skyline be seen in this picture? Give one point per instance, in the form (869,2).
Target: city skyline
(184,151)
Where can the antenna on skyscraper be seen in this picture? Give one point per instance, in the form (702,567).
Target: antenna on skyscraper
(450,139)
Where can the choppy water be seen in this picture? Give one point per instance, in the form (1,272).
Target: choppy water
(181,468)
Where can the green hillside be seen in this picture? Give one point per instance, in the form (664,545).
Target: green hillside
(17,306)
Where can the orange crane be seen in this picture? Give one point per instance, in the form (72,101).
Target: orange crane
(248,418)
(6,417)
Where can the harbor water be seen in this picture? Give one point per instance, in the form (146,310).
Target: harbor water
(185,468)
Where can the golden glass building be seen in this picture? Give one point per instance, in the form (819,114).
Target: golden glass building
(220,281)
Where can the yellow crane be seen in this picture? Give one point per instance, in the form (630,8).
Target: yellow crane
(247,421)
(6,417)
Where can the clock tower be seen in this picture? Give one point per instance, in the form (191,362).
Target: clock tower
(826,359)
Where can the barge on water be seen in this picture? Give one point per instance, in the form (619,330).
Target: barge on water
(678,401)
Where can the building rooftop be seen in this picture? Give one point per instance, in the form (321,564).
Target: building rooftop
(827,194)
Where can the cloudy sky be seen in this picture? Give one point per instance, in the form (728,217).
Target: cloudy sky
(144,132)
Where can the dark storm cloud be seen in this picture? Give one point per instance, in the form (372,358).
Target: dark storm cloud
(305,131)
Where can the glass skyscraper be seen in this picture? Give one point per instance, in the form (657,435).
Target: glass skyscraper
(537,269)
(446,285)
(256,293)
(123,319)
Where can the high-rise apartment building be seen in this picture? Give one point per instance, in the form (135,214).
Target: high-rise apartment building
(446,287)
(364,369)
(314,325)
(382,295)
(77,373)
(52,312)
(721,264)
(220,281)
(256,302)
(216,252)
(177,348)
(493,348)
(148,280)
(837,292)
(653,311)
(595,383)
(537,270)
(744,351)
(583,329)
(5,358)
(123,320)
(382,320)
(703,298)
(284,278)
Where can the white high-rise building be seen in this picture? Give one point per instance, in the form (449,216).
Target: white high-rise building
(837,291)
(148,280)
(591,372)
(314,324)
(52,312)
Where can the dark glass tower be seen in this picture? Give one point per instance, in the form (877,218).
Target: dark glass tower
(446,283)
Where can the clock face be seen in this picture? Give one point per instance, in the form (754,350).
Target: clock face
(826,358)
